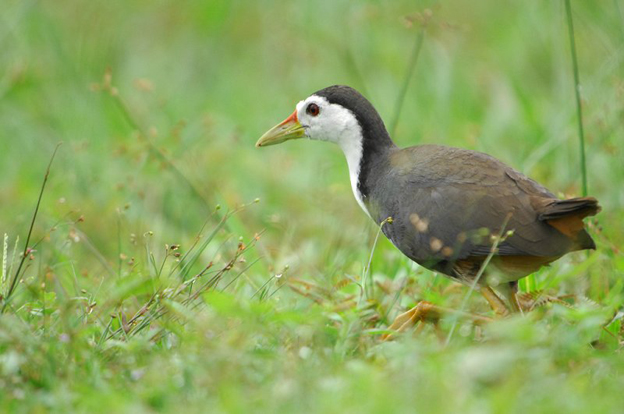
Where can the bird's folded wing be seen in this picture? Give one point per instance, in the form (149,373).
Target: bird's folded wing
(460,209)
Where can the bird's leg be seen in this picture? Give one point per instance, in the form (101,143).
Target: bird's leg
(427,312)
(510,292)
(512,296)
(513,302)
(495,302)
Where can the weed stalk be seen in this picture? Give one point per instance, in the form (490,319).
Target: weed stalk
(30,230)
(408,75)
(577,92)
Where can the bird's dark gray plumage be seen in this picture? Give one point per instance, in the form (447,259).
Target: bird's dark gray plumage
(446,203)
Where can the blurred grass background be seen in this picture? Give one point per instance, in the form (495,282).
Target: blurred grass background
(196,83)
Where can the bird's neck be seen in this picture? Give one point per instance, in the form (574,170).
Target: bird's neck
(363,156)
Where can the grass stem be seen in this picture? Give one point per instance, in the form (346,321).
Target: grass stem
(30,230)
(408,75)
(577,91)
(366,283)
(477,278)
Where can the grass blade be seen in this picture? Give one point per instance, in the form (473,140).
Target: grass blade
(408,75)
(30,230)
(577,92)
(475,282)
(5,258)
(366,288)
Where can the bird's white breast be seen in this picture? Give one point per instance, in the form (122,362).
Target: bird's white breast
(351,144)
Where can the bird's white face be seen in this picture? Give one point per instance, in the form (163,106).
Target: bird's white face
(324,121)
(318,119)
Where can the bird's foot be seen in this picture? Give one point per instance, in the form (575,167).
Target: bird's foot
(537,299)
(423,311)
(497,304)
(528,301)
(427,312)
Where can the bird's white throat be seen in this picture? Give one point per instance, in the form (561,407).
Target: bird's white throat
(352,149)
(337,124)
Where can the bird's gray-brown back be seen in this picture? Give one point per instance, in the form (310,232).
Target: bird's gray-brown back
(443,199)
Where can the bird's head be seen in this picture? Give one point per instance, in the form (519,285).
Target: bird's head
(338,114)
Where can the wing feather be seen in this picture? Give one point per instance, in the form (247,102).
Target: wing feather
(451,201)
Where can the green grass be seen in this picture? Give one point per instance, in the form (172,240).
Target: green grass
(158,284)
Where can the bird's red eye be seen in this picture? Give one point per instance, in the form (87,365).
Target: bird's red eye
(313,109)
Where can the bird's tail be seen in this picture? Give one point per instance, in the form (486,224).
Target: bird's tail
(567,217)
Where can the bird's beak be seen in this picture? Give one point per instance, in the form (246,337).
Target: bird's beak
(290,128)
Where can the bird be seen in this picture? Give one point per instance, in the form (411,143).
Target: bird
(450,210)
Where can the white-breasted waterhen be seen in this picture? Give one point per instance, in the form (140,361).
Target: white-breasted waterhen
(446,205)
